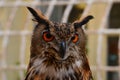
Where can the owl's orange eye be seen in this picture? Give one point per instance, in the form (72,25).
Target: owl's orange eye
(47,36)
(75,38)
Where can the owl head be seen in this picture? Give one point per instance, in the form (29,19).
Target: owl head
(57,40)
(58,50)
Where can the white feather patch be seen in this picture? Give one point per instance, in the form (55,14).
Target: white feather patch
(78,63)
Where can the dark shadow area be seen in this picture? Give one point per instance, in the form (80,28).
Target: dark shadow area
(112,60)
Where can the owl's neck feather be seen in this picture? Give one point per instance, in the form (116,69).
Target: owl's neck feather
(71,69)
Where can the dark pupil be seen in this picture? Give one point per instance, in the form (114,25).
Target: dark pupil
(48,35)
(73,38)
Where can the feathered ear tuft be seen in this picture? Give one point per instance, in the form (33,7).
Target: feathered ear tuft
(38,16)
(78,24)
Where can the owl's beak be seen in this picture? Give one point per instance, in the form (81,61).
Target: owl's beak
(62,50)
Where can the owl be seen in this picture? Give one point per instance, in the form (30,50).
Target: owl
(58,50)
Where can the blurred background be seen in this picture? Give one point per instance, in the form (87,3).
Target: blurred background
(103,34)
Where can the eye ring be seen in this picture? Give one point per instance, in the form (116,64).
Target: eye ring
(75,38)
(47,36)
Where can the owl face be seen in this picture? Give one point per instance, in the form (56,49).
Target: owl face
(58,40)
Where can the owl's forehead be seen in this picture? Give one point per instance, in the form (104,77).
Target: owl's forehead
(63,30)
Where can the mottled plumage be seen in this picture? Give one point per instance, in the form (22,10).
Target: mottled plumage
(58,50)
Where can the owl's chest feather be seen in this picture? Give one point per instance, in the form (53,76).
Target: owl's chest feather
(43,70)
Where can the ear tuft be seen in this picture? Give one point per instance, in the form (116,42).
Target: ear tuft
(38,16)
(84,21)
(34,13)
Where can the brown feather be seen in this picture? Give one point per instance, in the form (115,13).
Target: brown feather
(46,63)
